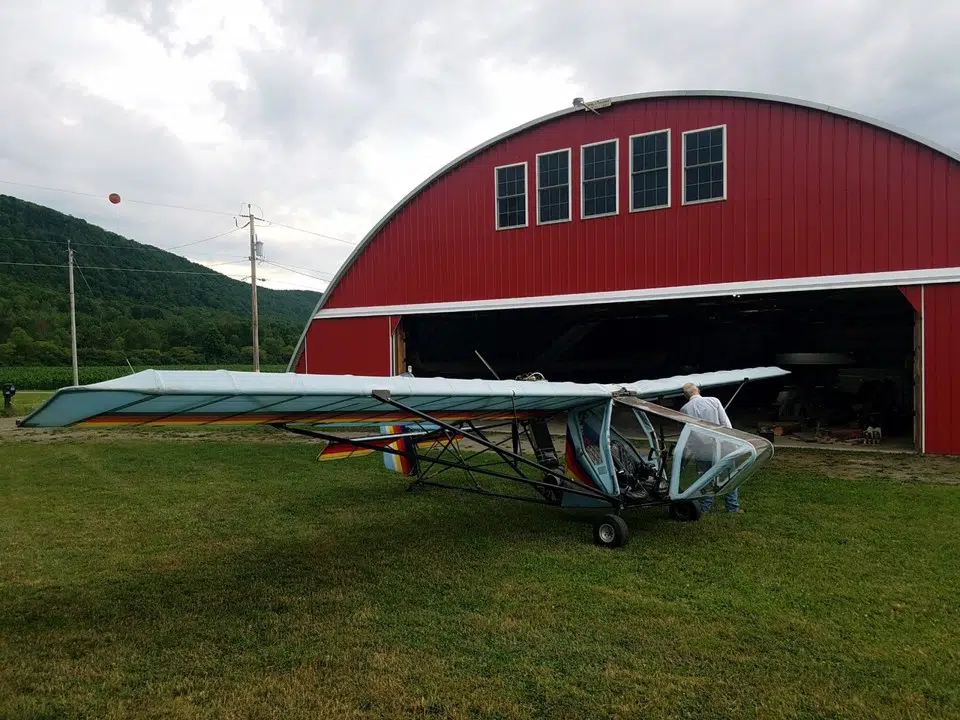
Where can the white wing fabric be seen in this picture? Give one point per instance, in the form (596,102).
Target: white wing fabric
(176,397)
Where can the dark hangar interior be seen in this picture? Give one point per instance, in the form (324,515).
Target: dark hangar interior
(851,353)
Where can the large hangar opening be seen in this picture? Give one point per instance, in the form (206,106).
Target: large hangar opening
(851,353)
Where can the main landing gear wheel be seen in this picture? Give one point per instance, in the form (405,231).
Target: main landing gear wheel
(610,531)
(685,511)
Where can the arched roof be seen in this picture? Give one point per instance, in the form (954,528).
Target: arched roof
(600,103)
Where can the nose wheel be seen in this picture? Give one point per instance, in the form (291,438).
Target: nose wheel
(610,531)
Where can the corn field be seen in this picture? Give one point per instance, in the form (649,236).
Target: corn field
(53,378)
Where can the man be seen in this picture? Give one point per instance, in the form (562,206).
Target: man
(711,410)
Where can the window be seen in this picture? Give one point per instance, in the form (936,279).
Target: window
(598,168)
(553,186)
(511,196)
(704,164)
(650,170)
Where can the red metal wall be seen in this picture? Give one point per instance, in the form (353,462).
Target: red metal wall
(347,346)
(941,340)
(809,193)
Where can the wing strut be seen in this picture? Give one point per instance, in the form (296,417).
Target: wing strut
(579,489)
(730,401)
(385,397)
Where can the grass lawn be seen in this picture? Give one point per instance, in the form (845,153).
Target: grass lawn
(155,578)
(23,402)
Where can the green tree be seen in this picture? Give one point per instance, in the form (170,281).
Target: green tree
(180,312)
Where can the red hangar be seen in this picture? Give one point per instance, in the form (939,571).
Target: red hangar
(666,233)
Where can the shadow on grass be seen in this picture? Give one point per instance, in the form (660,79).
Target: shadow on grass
(347,548)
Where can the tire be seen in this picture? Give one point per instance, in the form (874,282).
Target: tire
(610,531)
(685,511)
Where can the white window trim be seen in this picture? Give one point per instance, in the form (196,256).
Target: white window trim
(669,169)
(526,196)
(683,187)
(536,165)
(616,176)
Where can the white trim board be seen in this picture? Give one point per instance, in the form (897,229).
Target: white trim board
(753,287)
(923,370)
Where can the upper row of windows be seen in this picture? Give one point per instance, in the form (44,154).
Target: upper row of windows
(704,177)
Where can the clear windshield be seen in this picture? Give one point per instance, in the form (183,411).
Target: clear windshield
(701,459)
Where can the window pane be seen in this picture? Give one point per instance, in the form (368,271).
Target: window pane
(553,197)
(511,196)
(599,179)
(704,165)
(649,189)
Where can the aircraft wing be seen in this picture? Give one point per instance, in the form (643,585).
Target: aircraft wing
(223,397)
(673,386)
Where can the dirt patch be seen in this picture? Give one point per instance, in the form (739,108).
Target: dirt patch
(856,465)
(9,432)
(836,463)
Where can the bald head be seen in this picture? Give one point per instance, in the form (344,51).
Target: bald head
(689,390)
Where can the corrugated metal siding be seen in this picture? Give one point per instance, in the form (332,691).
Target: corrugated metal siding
(809,193)
(347,346)
(942,359)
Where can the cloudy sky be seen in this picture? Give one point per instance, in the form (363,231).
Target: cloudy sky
(325,113)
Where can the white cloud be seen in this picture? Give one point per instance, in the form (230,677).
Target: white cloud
(325,114)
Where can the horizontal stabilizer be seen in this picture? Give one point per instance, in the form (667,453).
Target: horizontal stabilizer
(343,450)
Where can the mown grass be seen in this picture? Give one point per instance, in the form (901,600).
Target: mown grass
(225,579)
(23,402)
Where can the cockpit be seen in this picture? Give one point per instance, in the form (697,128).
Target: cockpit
(649,455)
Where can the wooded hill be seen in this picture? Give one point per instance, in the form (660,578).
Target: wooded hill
(161,310)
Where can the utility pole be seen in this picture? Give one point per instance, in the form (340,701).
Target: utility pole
(256,251)
(73,318)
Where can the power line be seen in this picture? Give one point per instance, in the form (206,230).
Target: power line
(51,189)
(140,202)
(282,282)
(122,269)
(297,270)
(309,232)
(142,248)
(175,207)
(325,276)
(75,244)
(197,242)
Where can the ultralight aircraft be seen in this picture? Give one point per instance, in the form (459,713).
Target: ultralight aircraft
(615,457)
